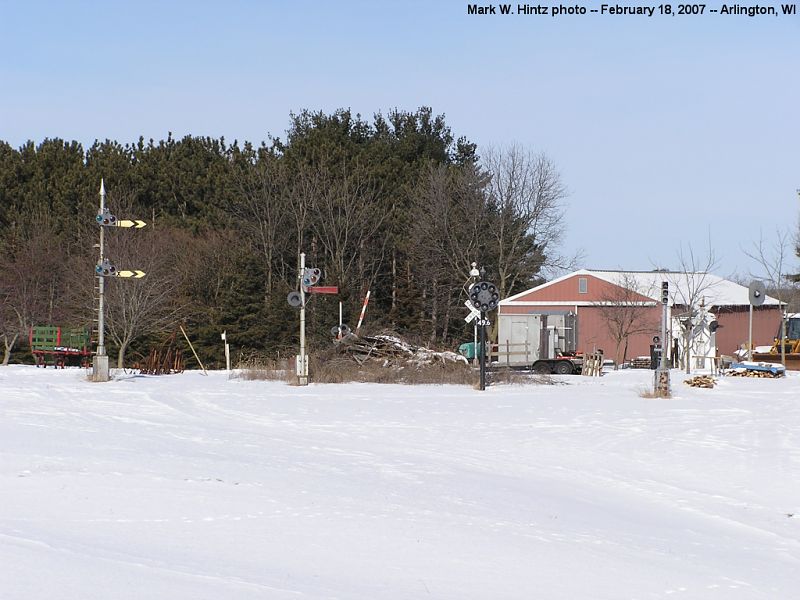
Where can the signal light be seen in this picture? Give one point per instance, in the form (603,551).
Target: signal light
(105,218)
(311,276)
(105,269)
(664,292)
(484,296)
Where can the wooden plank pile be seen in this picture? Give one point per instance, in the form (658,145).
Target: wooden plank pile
(751,373)
(390,349)
(701,381)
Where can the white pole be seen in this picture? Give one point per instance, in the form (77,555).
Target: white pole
(227,350)
(302,366)
(101,342)
(750,336)
(100,370)
(475,342)
(339,335)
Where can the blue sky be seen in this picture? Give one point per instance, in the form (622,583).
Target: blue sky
(667,131)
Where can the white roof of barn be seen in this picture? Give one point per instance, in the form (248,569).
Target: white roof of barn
(715,290)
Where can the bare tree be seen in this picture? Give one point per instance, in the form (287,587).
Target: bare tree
(526,194)
(691,285)
(32,279)
(626,313)
(346,222)
(138,307)
(772,259)
(448,233)
(263,212)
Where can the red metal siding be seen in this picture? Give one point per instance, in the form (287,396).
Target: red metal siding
(734,325)
(598,290)
(593,333)
(535,310)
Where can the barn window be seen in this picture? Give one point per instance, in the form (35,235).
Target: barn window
(583,285)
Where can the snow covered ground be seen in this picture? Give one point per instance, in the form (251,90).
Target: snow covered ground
(193,487)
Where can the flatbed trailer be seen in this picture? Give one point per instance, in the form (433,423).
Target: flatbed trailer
(60,346)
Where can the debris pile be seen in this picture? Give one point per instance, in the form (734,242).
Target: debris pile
(756,369)
(751,373)
(701,381)
(391,350)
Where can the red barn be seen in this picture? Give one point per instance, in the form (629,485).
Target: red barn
(625,307)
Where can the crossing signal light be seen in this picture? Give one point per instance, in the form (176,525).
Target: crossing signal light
(484,296)
(665,292)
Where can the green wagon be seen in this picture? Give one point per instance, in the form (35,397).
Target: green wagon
(60,346)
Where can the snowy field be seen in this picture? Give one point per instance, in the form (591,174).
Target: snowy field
(192,487)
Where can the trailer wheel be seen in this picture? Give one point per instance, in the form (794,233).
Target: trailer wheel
(564,367)
(542,368)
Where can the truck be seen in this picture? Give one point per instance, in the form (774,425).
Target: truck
(542,342)
(791,345)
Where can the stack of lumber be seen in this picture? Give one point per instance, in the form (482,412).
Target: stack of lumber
(756,369)
(701,381)
(749,373)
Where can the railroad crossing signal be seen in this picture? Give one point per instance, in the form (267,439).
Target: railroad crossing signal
(473,312)
(484,296)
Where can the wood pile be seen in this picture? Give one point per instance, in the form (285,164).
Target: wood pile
(751,373)
(390,349)
(701,381)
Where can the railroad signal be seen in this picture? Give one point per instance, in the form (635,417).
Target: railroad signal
(136,224)
(484,296)
(105,268)
(665,292)
(311,276)
(104,218)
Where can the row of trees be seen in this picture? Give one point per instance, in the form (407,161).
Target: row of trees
(396,205)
